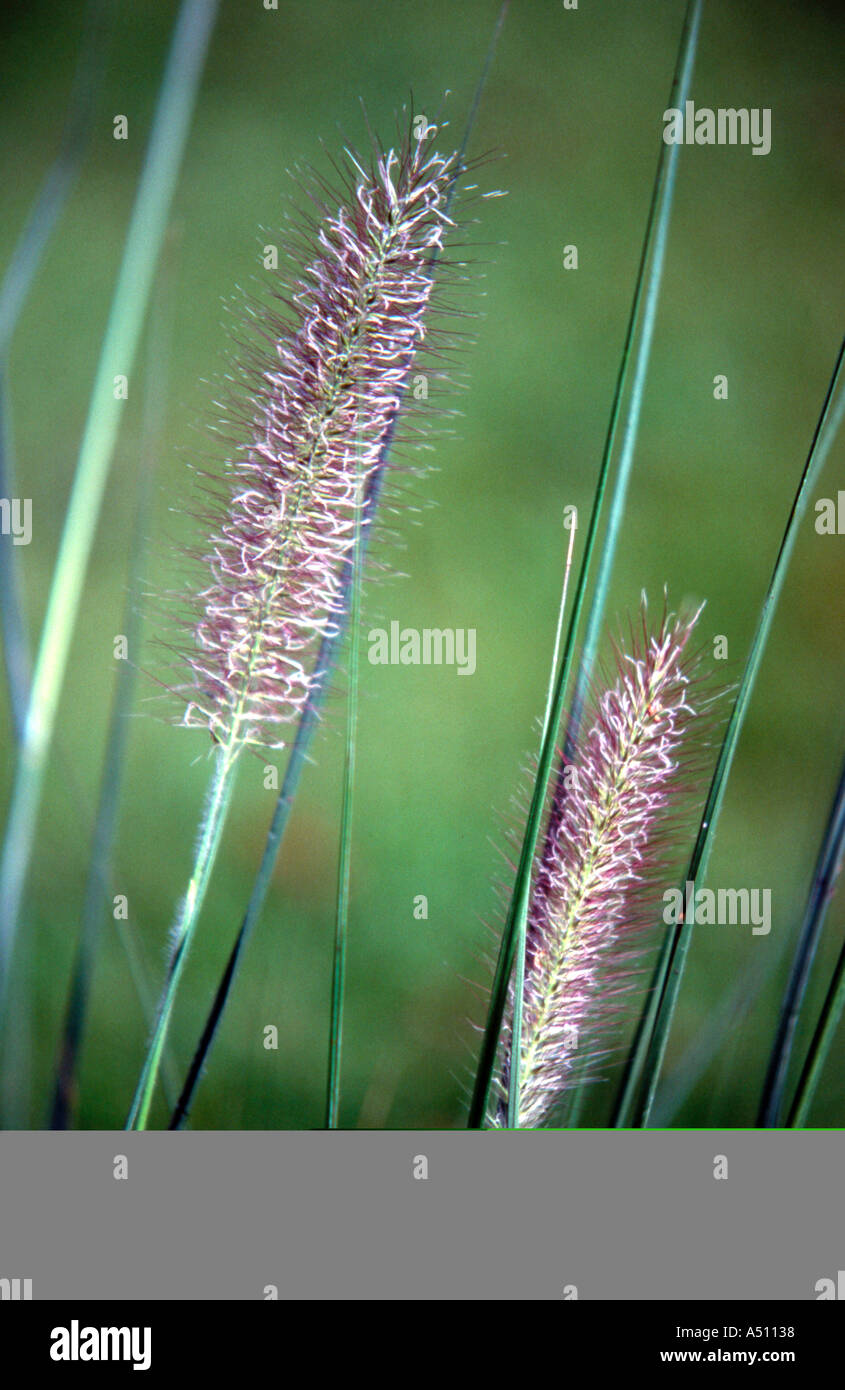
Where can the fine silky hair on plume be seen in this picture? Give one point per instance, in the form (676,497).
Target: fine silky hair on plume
(325,389)
(327,384)
(610,828)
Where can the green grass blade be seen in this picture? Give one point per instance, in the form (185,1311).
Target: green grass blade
(117,738)
(666,988)
(16,658)
(645,292)
(149,219)
(344,868)
(14,289)
(820,1046)
(827,868)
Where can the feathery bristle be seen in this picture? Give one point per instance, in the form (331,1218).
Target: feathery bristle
(602,857)
(324,400)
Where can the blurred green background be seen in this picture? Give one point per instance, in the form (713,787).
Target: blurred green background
(753,289)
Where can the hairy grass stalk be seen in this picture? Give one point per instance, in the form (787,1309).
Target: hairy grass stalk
(217,806)
(318,404)
(324,664)
(604,854)
(519,983)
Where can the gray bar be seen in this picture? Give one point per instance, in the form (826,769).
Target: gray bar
(623,1215)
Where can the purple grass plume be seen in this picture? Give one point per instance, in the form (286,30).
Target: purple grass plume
(324,390)
(605,853)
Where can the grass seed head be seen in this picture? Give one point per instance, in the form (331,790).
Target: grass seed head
(325,386)
(608,837)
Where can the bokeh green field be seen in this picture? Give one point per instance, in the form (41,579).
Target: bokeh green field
(753,289)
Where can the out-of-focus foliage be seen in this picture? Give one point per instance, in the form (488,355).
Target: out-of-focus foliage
(752,290)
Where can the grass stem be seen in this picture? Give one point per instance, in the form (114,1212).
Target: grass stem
(219,796)
(344,868)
